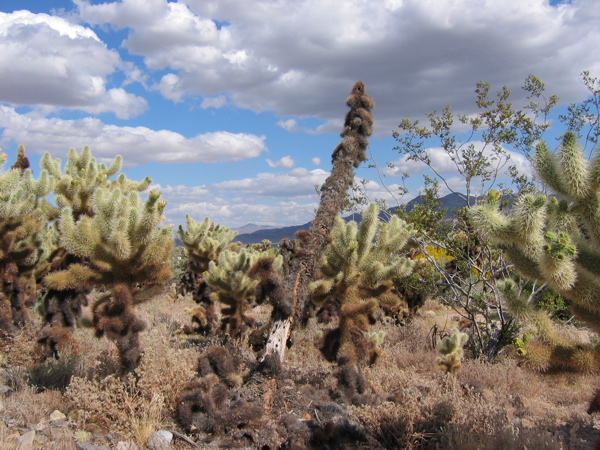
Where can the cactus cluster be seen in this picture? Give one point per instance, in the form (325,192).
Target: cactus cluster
(234,286)
(358,270)
(122,248)
(203,241)
(74,188)
(555,239)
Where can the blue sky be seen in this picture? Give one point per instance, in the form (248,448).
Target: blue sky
(233,108)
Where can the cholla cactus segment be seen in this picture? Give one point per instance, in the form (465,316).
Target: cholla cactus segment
(574,173)
(551,240)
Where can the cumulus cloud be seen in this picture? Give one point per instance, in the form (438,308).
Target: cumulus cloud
(414,55)
(286,162)
(170,87)
(297,183)
(232,210)
(316,161)
(46,60)
(138,145)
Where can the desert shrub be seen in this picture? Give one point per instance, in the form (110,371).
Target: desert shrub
(55,374)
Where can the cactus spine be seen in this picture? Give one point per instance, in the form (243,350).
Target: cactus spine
(555,240)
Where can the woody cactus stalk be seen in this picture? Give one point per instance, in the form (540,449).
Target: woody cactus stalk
(302,259)
(23,216)
(203,242)
(358,270)
(555,239)
(122,248)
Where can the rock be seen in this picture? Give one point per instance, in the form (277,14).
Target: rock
(57,416)
(86,446)
(127,445)
(160,440)
(4,389)
(26,441)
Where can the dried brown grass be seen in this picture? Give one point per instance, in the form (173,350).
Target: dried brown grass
(500,405)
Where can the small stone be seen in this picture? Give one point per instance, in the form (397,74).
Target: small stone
(4,389)
(126,445)
(86,446)
(57,416)
(26,441)
(41,426)
(160,440)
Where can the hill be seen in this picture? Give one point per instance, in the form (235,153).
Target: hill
(450,202)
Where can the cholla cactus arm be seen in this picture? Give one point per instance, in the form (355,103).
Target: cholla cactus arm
(556,241)
(546,165)
(574,173)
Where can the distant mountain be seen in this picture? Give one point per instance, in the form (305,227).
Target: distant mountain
(275,235)
(251,228)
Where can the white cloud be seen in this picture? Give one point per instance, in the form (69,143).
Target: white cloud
(46,60)
(316,161)
(214,102)
(170,87)
(414,55)
(204,201)
(288,125)
(285,162)
(298,183)
(138,145)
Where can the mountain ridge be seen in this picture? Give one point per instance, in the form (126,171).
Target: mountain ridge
(451,202)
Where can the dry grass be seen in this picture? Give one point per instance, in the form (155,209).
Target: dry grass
(413,404)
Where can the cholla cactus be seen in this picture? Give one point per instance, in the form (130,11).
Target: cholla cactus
(552,240)
(121,247)
(358,270)
(451,348)
(23,215)
(74,189)
(542,348)
(234,287)
(203,241)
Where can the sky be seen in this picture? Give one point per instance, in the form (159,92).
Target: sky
(233,108)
